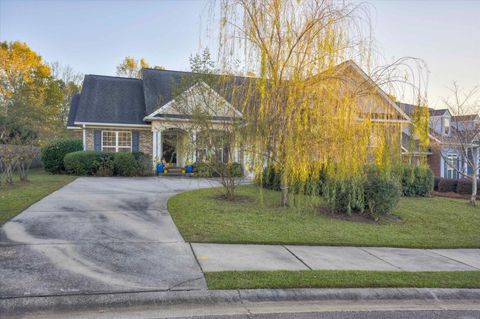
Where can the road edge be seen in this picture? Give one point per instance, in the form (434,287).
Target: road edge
(19,306)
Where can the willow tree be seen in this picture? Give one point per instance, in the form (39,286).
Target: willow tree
(306,110)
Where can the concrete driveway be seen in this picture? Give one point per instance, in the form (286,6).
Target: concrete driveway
(99,235)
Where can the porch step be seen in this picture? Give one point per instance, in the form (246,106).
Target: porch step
(174,171)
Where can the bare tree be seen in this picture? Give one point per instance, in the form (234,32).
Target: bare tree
(463,137)
(214,122)
(70,83)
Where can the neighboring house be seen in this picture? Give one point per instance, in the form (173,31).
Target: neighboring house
(122,114)
(445,157)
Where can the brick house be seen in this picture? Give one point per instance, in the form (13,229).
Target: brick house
(124,114)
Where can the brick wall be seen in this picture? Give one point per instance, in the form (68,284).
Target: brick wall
(146,140)
(145,137)
(434,161)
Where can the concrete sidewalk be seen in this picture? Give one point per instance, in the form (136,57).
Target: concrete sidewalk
(224,257)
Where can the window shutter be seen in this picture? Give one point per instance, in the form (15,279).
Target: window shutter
(135,141)
(97,140)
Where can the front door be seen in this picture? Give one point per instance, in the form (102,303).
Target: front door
(169,140)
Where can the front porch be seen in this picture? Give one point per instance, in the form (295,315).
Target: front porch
(179,146)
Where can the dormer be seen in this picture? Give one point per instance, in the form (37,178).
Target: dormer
(440,121)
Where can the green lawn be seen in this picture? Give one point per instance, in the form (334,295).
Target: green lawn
(256,219)
(14,199)
(341,279)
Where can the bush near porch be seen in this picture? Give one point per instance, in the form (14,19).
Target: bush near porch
(107,164)
(257,218)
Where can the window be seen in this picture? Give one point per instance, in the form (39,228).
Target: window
(451,165)
(116,141)
(446,126)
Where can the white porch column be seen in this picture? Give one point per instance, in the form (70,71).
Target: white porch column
(194,142)
(84,137)
(235,153)
(157,145)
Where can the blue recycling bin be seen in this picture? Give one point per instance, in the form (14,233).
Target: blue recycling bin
(189,169)
(160,168)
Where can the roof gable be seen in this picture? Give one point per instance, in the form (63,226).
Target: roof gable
(199,97)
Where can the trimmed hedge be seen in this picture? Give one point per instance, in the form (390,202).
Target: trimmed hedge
(381,195)
(446,185)
(107,164)
(423,181)
(53,153)
(416,181)
(125,164)
(87,162)
(464,186)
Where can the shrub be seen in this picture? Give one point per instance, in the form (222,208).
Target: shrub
(53,153)
(416,181)
(236,169)
(464,186)
(103,165)
(205,169)
(446,185)
(89,163)
(125,164)
(270,178)
(407,179)
(144,163)
(381,195)
(345,195)
(423,181)
(435,183)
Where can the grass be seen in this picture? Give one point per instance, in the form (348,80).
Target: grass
(16,198)
(257,219)
(341,279)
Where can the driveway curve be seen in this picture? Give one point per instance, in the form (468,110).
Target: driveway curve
(99,235)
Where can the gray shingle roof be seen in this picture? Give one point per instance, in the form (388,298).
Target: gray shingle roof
(160,86)
(106,99)
(440,112)
(73,110)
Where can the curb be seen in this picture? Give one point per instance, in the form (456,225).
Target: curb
(17,306)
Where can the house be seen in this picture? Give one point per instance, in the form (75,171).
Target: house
(124,114)
(445,156)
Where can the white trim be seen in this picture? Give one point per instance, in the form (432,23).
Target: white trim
(117,147)
(170,119)
(442,167)
(73,128)
(170,103)
(194,142)
(113,124)
(387,121)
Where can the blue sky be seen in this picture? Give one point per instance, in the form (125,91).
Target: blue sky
(94,36)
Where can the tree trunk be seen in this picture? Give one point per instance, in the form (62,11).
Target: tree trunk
(473,198)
